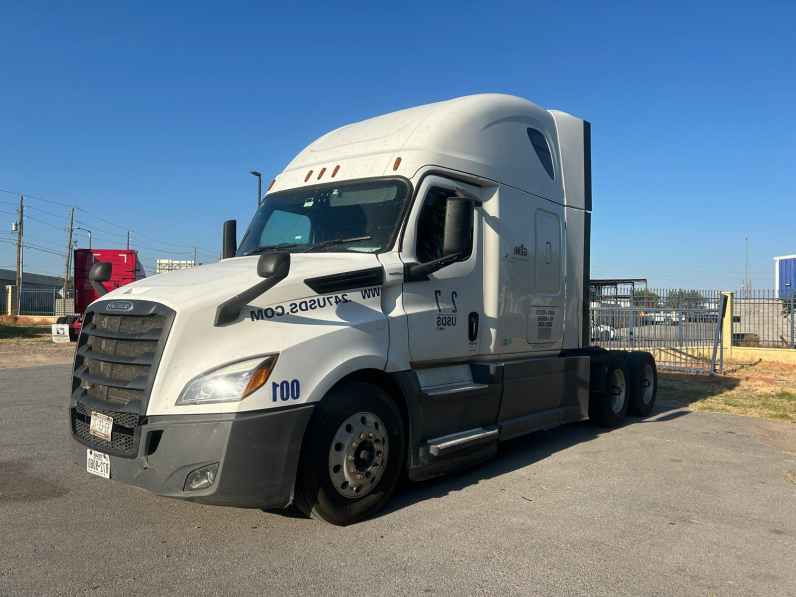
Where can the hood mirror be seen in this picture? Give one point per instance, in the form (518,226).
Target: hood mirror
(100,272)
(270,264)
(274,267)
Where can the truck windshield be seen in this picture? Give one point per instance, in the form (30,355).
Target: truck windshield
(351,217)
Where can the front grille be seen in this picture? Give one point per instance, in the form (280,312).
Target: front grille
(122,443)
(129,420)
(115,365)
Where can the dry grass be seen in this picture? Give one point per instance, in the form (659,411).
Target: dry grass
(12,329)
(763,389)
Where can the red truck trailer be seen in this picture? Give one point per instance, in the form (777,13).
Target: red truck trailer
(126,268)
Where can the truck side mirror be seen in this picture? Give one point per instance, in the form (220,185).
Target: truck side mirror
(100,272)
(230,239)
(456,240)
(458,226)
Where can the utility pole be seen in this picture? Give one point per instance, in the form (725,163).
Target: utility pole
(68,251)
(15,308)
(128,240)
(194,256)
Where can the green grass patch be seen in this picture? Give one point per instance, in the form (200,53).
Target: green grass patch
(785,395)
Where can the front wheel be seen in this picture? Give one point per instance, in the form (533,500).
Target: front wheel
(352,456)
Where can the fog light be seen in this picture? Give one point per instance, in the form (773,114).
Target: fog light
(201,478)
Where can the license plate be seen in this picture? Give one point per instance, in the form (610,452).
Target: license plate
(98,463)
(101,426)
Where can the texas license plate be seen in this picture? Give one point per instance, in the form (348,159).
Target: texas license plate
(101,426)
(98,463)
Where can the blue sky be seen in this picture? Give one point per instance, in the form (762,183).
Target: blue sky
(151,115)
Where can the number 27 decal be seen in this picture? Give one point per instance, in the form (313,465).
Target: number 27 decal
(438,293)
(286,390)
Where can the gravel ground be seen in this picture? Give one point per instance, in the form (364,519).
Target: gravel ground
(14,355)
(683,503)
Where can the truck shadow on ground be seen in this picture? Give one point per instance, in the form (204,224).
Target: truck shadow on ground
(514,455)
(682,389)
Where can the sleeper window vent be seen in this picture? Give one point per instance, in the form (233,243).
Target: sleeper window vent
(542,150)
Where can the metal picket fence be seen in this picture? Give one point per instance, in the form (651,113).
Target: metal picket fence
(46,302)
(682,328)
(761,319)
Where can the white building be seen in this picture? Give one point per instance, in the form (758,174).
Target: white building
(163,266)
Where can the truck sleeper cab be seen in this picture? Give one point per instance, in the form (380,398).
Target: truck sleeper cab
(409,294)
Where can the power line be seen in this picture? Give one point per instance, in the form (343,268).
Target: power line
(93,228)
(88,213)
(43,222)
(157,249)
(49,213)
(138,233)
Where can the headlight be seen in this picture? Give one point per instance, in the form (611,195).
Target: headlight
(230,383)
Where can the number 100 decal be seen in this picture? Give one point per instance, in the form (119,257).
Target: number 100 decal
(286,390)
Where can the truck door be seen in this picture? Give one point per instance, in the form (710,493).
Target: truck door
(444,312)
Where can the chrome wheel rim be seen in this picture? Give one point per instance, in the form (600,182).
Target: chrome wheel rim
(618,391)
(647,384)
(358,455)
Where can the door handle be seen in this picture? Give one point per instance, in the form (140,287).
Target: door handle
(472,326)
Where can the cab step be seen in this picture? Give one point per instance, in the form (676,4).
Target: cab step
(456,442)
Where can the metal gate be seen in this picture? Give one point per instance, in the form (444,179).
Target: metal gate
(682,335)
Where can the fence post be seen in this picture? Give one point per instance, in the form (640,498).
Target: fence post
(12,307)
(718,333)
(680,320)
(726,329)
(792,321)
(631,342)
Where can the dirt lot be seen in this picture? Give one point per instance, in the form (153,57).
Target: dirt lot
(28,343)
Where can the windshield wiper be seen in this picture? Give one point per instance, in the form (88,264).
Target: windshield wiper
(336,241)
(267,248)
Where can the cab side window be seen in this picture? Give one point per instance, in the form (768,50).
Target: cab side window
(431,225)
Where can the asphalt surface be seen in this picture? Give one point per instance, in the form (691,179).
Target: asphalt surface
(679,504)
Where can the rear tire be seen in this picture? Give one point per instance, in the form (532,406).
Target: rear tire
(643,383)
(60,320)
(609,407)
(344,478)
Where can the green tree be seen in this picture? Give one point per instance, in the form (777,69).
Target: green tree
(692,299)
(646,298)
(70,283)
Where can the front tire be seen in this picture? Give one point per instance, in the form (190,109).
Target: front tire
(352,456)
(609,407)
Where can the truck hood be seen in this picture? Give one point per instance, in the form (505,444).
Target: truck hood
(216,282)
(318,337)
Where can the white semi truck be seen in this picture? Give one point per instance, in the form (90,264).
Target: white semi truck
(409,294)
